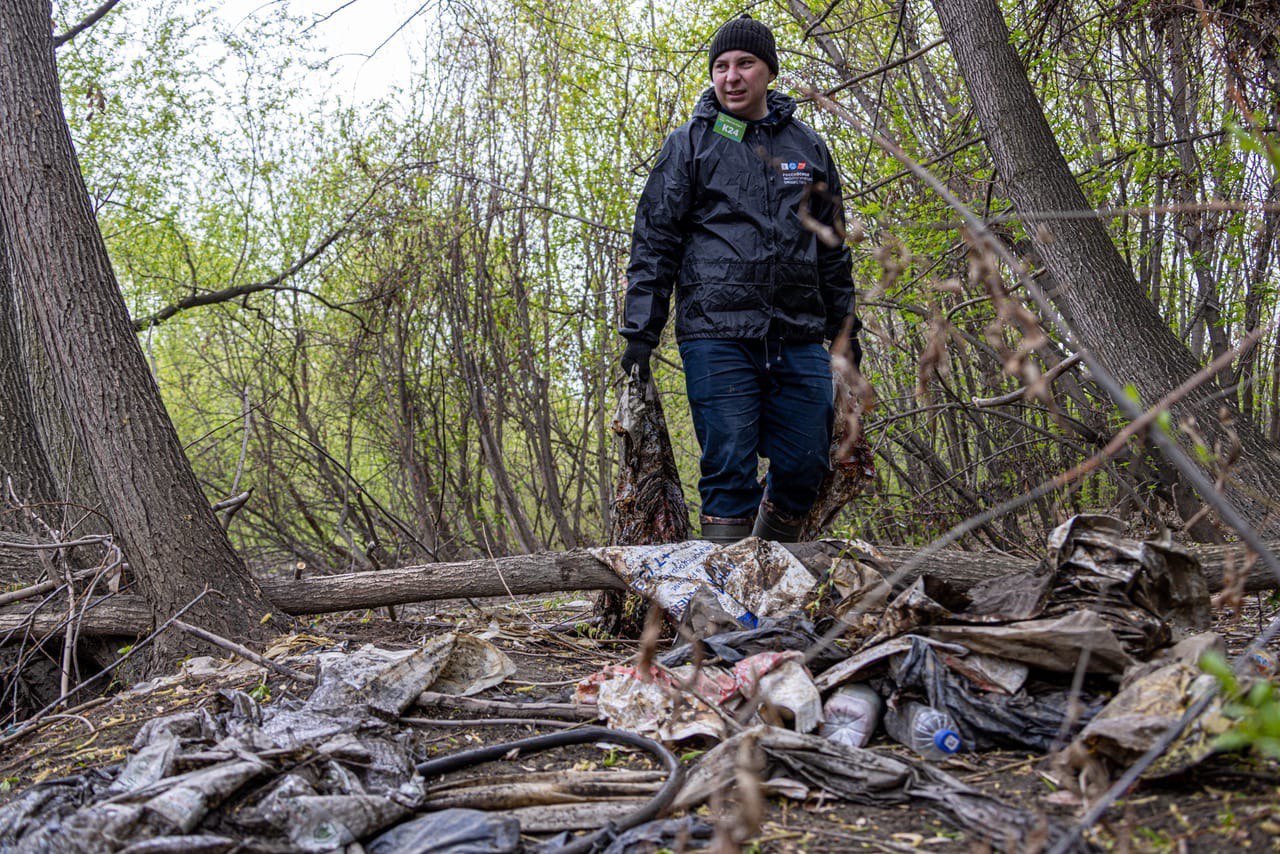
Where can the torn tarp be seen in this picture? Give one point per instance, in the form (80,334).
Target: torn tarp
(749,580)
(648,504)
(1092,555)
(303,776)
(866,777)
(1151,699)
(1116,598)
(1038,716)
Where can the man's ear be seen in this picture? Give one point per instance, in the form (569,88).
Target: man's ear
(772,77)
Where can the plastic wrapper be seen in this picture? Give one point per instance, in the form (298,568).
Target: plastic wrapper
(1151,699)
(670,705)
(771,635)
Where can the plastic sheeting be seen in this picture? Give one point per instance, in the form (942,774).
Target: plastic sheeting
(771,635)
(455,831)
(749,580)
(670,704)
(1038,717)
(240,771)
(866,777)
(1150,701)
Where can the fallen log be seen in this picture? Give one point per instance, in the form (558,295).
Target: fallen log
(123,614)
(553,572)
(547,572)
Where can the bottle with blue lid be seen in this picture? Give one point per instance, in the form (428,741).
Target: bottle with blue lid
(928,731)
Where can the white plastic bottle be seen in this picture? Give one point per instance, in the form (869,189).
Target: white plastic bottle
(926,730)
(851,715)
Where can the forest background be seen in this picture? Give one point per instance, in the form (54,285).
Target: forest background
(395,320)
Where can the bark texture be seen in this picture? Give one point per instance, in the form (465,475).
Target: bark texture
(1110,313)
(174,543)
(24,468)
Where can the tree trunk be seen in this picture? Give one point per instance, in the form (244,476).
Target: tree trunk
(1112,316)
(174,543)
(24,468)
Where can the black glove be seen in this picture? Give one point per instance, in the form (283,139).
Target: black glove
(637,355)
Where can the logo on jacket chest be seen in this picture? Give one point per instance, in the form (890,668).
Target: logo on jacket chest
(796,172)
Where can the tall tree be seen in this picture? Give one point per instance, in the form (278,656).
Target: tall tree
(173,541)
(1096,288)
(24,468)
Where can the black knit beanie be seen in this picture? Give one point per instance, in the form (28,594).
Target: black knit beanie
(745,33)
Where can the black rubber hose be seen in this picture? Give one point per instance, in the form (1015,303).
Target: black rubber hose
(660,801)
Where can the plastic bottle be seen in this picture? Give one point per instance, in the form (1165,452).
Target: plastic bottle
(926,730)
(851,715)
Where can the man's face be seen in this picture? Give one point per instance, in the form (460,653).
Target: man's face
(741,81)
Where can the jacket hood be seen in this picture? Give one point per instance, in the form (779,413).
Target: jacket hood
(781,107)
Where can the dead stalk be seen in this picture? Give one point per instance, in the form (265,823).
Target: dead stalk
(245,653)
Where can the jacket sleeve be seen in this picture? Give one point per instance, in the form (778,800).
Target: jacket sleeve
(835,266)
(657,241)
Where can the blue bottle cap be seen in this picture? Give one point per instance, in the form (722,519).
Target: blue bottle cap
(946,740)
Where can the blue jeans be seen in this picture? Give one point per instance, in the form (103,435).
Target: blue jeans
(752,399)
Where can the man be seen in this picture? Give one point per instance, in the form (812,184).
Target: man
(720,222)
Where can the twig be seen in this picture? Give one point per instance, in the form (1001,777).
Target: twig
(245,653)
(1013,766)
(464,722)
(69,639)
(41,588)
(1014,396)
(564,711)
(70,717)
(881,69)
(231,506)
(233,503)
(38,547)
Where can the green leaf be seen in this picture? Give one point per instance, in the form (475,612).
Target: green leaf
(1215,664)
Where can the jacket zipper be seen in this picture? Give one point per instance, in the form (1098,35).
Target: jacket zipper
(773,237)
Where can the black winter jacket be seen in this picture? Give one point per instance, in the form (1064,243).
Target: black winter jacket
(719,221)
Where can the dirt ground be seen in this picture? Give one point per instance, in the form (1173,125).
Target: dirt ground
(1228,801)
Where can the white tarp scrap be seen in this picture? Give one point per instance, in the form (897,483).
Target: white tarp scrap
(750,579)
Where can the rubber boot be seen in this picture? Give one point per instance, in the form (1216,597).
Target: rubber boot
(770,526)
(724,531)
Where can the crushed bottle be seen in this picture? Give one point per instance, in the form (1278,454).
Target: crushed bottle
(926,730)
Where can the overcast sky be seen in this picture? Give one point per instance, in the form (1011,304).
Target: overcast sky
(353,30)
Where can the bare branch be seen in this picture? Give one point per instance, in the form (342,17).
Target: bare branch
(215,297)
(1014,396)
(94,17)
(245,653)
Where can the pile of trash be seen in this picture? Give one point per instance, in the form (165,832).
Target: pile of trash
(1025,661)
(1095,652)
